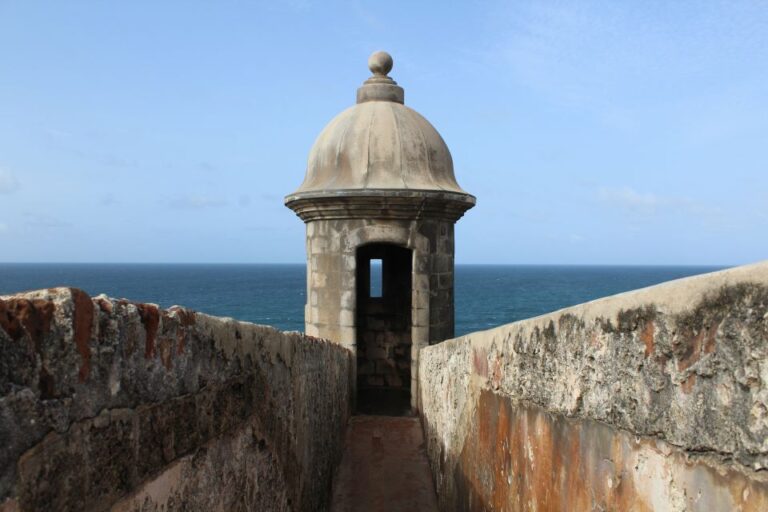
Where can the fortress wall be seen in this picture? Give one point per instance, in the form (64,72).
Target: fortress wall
(655,399)
(108,404)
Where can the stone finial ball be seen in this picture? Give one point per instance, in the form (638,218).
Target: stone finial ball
(380,63)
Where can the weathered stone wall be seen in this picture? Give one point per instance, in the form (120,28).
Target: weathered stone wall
(655,399)
(108,404)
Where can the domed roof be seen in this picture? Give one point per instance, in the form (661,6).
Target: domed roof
(380,146)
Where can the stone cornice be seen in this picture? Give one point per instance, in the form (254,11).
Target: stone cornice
(380,204)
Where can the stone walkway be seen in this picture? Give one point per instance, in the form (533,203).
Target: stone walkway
(384,467)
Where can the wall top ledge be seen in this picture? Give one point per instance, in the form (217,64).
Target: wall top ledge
(672,297)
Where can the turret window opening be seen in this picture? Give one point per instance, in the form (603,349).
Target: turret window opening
(383,329)
(377,278)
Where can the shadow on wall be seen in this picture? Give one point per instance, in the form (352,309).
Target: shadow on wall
(383,326)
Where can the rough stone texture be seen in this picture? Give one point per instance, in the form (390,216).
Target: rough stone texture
(235,472)
(105,401)
(653,399)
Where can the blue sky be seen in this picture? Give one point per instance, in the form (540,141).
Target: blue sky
(590,132)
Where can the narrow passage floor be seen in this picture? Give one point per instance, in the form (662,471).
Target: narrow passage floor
(384,467)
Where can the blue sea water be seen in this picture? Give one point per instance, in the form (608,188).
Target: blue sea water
(486,295)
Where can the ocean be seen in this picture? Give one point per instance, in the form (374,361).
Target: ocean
(274,294)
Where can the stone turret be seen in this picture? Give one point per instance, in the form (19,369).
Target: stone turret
(380,200)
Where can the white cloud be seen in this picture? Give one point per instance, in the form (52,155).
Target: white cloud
(44,221)
(3,228)
(196,202)
(55,133)
(83,147)
(576,238)
(645,205)
(631,200)
(244,200)
(606,56)
(8,182)
(109,200)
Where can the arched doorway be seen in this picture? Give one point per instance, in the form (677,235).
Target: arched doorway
(383,322)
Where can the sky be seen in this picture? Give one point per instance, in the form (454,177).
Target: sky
(590,132)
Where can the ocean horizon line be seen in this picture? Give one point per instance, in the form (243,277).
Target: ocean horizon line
(182,263)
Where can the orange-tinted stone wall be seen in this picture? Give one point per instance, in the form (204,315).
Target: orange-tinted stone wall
(655,399)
